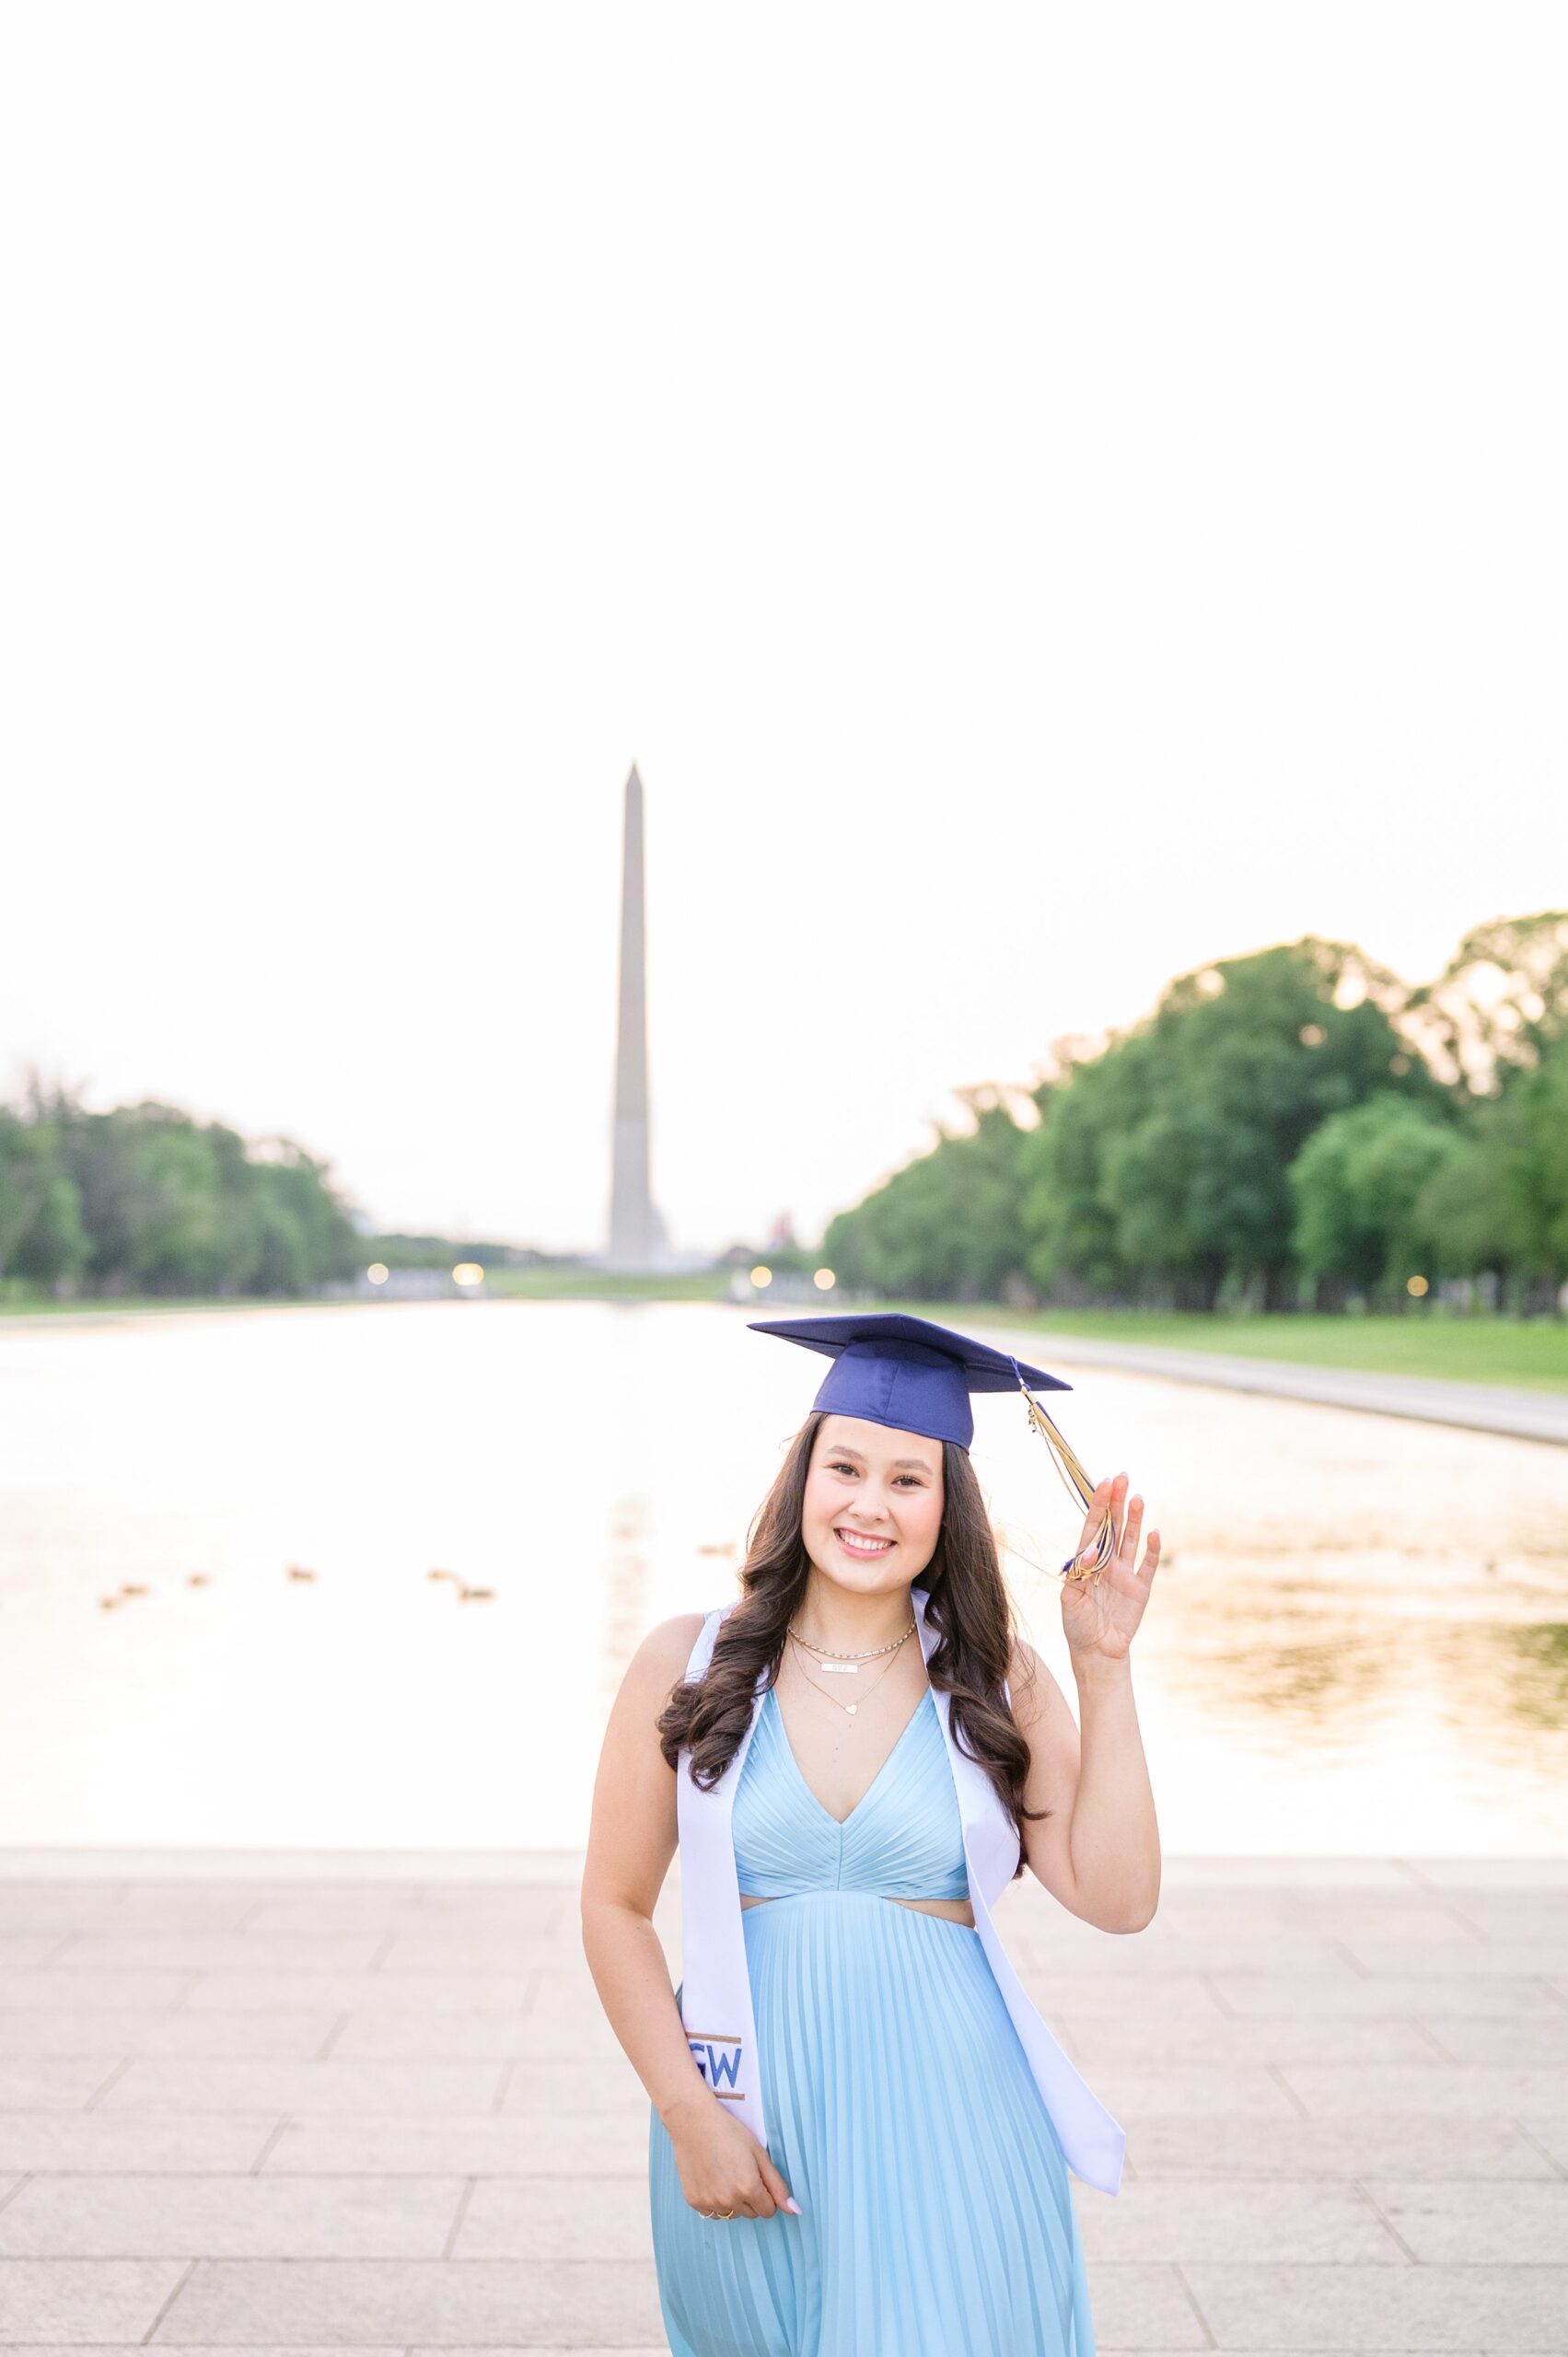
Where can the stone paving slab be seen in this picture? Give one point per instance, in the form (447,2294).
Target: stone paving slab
(160,1867)
(209,2085)
(578,2145)
(1063,1960)
(1517,2224)
(1305,2308)
(1097,2041)
(344,2302)
(1433,1998)
(1504,2041)
(1546,1959)
(200,1951)
(559,2350)
(461,1993)
(86,2140)
(52,2082)
(1242,2218)
(232,2217)
(132,2349)
(85,2300)
(130,2031)
(1507,1876)
(27,1951)
(366,2103)
(26,1992)
(1462,2151)
(542,2218)
(1460,2088)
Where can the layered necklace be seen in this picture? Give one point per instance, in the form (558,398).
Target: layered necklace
(845,1664)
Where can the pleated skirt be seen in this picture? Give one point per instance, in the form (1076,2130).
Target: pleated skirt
(937,2216)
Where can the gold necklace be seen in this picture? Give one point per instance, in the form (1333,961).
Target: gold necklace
(848,1664)
(849,1709)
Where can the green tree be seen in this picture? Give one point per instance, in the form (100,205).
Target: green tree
(26,1168)
(54,1249)
(145,1199)
(1159,1170)
(1501,1206)
(1359,1184)
(946,1227)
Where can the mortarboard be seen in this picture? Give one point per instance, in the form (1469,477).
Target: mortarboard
(917,1377)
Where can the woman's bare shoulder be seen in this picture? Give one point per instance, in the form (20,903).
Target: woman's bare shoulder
(660,1660)
(671,1641)
(658,1666)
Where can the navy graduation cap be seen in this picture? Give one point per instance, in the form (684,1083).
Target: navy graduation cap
(894,1369)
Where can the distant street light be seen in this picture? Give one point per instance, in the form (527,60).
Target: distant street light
(824,1280)
(762,1276)
(467,1272)
(378,1272)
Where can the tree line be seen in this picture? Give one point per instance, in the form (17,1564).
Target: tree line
(1293,1129)
(1297,1129)
(145,1200)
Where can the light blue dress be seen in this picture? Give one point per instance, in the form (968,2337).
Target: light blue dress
(937,2216)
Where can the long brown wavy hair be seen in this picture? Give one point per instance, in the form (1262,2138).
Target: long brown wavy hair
(967,1603)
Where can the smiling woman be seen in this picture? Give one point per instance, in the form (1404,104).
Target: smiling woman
(860,2129)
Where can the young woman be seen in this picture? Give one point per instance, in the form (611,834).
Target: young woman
(902,2188)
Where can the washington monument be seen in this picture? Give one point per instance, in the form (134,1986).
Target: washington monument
(637,1238)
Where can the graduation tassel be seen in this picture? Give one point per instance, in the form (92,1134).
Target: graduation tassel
(1089,1564)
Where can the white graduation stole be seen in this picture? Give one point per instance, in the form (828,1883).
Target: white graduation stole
(715,1995)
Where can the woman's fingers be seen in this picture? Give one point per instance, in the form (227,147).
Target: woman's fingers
(1128,1548)
(746,2202)
(774,2182)
(754,2188)
(751,2201)
(1104,1502)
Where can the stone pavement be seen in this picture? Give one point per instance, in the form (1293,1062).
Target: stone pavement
(324,2101)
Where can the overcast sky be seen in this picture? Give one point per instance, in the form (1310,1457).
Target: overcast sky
(1047,497)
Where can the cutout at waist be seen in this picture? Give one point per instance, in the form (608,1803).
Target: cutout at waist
(955,1911)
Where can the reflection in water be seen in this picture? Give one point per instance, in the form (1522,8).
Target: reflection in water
(1309,1683)
(1538,1663)
(1357,1642)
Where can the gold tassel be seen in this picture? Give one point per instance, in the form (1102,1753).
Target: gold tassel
(1089,1564)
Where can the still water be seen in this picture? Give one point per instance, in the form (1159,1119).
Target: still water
(1358,1642)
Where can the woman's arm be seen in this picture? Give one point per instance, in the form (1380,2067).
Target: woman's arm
(632,1834)
(632,1840)
(1099,1851)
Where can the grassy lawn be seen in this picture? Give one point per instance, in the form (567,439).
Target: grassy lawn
(602,1284)
(1533,1356)
(500,1284)
(149,1304)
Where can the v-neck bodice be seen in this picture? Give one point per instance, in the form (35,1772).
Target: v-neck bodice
(902,1840)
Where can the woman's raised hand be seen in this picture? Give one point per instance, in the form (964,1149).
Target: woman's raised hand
(724,2168)
(1100,1616)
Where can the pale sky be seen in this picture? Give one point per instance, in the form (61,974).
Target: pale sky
(1048,498)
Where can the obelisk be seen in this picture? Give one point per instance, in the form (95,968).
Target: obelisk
(636,1232)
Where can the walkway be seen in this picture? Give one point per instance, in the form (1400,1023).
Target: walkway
(369,2102)
(1479,1406)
